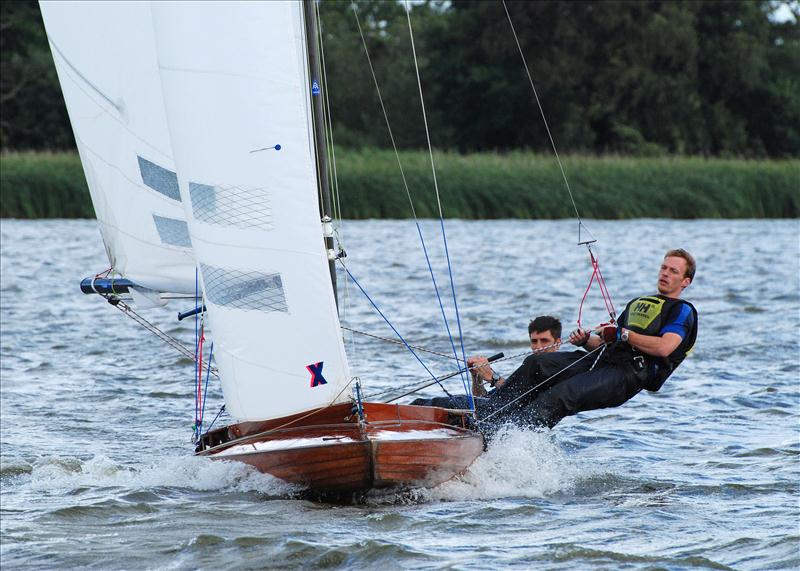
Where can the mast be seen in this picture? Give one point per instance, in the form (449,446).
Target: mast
(325,209)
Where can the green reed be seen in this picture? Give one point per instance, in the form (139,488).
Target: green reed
(527,185)
(43,185)
(480,185)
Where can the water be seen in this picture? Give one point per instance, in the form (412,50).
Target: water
(95,414)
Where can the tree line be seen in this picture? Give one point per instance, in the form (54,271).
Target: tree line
(642,78)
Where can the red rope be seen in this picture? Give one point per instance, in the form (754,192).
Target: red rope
(601,283)
(606,296)
(580,308)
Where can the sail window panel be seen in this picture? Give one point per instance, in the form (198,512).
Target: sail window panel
(159,179)
(248,290)
(231,205)
(172,231)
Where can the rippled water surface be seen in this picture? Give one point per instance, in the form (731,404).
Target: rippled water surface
(96,415)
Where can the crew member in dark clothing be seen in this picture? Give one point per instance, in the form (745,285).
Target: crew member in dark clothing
(544,333)
(652,338)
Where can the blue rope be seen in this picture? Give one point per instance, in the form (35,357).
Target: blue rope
(378,309)
(439,297)
(458,318)
(221,410)
(205,388)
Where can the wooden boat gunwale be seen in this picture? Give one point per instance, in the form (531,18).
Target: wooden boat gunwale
(280,434)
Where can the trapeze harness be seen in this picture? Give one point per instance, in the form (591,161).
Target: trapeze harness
(648,315)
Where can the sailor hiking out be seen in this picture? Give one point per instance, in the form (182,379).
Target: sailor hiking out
(650,340)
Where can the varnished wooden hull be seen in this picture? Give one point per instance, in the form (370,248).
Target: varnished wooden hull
(399,446)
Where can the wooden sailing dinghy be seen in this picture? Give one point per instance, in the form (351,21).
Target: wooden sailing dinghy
(397,446)
(200,133)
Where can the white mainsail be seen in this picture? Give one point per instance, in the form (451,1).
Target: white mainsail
(234,79)
(105,57)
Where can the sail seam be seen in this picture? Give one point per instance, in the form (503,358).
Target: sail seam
(106,111)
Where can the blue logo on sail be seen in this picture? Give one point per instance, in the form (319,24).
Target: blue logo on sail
(316,374)
(314,87)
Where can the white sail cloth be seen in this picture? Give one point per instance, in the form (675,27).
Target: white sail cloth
(234,79)
(105,57)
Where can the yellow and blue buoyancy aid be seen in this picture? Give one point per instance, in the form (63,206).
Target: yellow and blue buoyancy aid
(648,315)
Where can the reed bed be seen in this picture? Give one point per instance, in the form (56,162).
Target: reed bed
(478,186)
(43,185)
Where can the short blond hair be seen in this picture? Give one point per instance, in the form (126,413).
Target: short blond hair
(691,265)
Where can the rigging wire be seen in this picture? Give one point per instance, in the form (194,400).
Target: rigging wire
(439,203)
(595,267)
(419,385)
(327,113)
(205,394)
(198,396)
(166,338)
(396,342)
(311,101)
(386,319)
(405,182)
(197,342)
(487,417)
(221,410)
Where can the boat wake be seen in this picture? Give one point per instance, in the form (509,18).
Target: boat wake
(185,473)
(517,463)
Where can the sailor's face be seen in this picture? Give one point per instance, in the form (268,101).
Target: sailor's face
(544,342)
(672,276)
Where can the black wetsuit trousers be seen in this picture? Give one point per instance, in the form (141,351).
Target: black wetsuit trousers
(536,374)
(525,401)
(608,385)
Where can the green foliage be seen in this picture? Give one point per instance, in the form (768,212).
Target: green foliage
(646,78)
(527,185)
(43,185)
(33,112)
(639,78)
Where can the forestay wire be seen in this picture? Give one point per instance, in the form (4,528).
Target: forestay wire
(405,185)
(378,309)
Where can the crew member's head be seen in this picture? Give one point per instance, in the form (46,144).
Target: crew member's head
(676,273)
(545,334)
